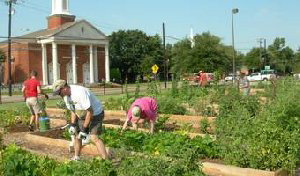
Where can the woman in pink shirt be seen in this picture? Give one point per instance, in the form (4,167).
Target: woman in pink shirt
(141,110)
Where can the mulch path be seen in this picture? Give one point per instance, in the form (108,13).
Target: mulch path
(58,153)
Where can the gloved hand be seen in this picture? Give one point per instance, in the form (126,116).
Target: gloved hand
(82,135)
(72,129)
(46,96)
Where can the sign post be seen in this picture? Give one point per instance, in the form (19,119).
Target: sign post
(154,69)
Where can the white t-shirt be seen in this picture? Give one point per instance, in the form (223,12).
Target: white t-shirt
(82,99)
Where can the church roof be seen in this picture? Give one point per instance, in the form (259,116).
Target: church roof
(34,37)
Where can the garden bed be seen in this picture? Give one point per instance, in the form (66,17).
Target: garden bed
(110,114)
(51,139)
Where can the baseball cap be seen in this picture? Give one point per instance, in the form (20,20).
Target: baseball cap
(57,85)
(136,112)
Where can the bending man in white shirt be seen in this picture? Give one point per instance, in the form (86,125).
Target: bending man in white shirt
(86,115)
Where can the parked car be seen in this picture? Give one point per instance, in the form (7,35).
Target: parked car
(260,77)
(229,77)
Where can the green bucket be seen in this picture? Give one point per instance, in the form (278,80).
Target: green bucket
(44,123)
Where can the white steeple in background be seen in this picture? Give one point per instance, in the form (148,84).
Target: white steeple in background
(60,7)
(192,38)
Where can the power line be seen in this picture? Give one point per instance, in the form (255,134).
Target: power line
(34,8)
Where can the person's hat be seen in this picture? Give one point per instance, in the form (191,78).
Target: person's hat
(243,71)
(200,71)
(136,112)
(57,85)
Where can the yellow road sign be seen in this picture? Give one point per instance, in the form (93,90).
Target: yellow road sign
(154,68)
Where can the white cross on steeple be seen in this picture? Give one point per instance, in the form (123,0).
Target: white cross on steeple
(60,7)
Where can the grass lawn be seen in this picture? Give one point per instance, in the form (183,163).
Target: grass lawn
(50,103)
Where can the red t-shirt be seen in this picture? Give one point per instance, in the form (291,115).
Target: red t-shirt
(31,87)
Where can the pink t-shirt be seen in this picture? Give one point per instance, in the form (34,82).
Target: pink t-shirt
(148,106)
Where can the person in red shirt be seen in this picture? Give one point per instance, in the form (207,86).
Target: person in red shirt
(202,79)
(31,88)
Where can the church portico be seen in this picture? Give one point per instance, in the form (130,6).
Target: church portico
(76,56)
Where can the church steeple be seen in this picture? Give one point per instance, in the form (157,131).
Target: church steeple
(60,14)
(60,7)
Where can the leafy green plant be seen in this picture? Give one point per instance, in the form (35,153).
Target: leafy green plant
(15,161)
(153,88)
(144,166)
(185,128)
(262,136)
(137,89)
(161,122)
(161,143)
(94,167)
(62,105)
(169,105)
(13,117)
(204,125)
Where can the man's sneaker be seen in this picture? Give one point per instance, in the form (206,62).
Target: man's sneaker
(30,127)
(75,158)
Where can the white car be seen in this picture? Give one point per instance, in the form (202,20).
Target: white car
(229,77)
(259,77)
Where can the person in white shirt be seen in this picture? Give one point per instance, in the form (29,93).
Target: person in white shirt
(244,84)
(87,115)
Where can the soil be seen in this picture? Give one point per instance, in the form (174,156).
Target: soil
(57,153)
(113,121)
(54,134)
(17,128)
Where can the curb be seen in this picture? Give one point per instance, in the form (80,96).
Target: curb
(227,170)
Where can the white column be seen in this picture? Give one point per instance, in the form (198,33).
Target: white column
(107,74)
(54,61)
(96,64)
(92,80)
(44,64)
(74,64)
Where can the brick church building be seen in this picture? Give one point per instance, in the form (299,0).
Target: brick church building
(72,50)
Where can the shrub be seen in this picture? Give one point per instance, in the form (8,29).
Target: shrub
(15,161)
(261,136)
(147,166)
(204,125)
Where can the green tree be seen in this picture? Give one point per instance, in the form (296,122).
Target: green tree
(252,59)
(181,55)
(208,54)
(281,56)
(132,51)
(154,55)
(296,62)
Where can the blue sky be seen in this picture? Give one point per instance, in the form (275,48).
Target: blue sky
(256,19)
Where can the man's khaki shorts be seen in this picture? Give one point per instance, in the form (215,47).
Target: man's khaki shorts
(33,105)
(95,126)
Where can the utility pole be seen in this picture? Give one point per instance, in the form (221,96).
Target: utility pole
(260,52)
(165,61)
(265,52)
(234,11)
(10,2)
